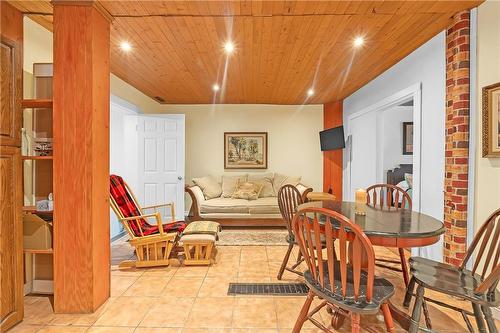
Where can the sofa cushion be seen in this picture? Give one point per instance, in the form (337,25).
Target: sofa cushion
(280,180)
(224,205)
(247,190)
(210,187)
(266,179)
(229,183)
(268,205)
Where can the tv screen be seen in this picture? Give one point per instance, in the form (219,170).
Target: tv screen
(332,138)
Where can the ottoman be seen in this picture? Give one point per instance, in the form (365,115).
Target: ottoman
(198,240)
(198,248)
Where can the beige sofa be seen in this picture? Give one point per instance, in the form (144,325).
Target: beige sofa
(209,204)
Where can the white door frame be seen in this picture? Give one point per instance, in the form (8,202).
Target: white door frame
(415,92)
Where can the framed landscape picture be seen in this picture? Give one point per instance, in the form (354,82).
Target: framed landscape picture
(408,138)
(491,120)
(245,150)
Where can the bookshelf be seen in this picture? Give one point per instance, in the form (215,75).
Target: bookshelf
(38,181)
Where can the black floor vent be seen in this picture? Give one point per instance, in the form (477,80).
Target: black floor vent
(282,289)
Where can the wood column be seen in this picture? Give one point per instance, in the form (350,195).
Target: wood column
(81,157)
(332,160)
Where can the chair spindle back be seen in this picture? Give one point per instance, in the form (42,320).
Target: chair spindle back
(387,195)
(309,224)
(289,198)
(485,248)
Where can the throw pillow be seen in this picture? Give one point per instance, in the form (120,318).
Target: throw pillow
(266,180)
(409,179)
(247,190)
(210,187)
(229,183)
(280,180)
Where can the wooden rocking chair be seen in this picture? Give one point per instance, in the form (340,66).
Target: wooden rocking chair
(153,243)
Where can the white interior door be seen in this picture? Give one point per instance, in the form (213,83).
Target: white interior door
(363,152)
(161,162)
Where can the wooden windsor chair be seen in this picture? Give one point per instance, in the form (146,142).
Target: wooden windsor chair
(478,286)
(289,198)
(390,197)
(348,285)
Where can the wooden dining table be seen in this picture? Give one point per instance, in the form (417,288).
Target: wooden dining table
(389,227)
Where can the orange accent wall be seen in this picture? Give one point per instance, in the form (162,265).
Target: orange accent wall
(332,160)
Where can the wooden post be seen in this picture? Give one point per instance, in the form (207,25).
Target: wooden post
(81,157)
(332,160)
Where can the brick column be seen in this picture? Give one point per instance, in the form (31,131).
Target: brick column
(457,138)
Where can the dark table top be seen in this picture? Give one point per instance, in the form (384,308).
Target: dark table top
(386,222)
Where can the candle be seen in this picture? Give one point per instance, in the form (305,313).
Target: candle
(360,205)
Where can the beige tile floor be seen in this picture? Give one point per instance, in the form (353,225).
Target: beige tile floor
(194,300)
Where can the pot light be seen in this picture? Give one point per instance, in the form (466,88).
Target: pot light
(310,92)
(359,41)
(125,46)
(229,47)
(215,87)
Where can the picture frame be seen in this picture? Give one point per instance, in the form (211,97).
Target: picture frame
(491,120)
(408,138)
(245,150)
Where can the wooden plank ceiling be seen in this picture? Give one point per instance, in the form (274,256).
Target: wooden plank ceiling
(283,48)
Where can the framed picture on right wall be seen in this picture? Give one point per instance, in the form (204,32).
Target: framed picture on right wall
(491,120)
(408,138)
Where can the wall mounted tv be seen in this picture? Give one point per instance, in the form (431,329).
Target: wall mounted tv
(332,138)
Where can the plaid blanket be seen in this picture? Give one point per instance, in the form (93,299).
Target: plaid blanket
(128,208)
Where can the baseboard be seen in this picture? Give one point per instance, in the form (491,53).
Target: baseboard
(120,235)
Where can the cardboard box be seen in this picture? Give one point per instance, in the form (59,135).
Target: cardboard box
(37,233)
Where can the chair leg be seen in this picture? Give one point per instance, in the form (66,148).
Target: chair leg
(299,257)
(426,315)
(404,265)
(303,313)
(492,328)
(285,261)
(479,318)
(409,292)
(297,263)
(417,310)
(355,319)
(389,324)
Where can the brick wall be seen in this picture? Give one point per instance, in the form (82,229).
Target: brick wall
(457,138)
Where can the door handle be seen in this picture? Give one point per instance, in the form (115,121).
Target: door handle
(179,177)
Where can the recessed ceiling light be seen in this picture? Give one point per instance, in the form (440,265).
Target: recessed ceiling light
(215,87)
(125,46)
(229,47)
(359,41)
(310,92)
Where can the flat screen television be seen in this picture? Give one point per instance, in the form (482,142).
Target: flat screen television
(332,138)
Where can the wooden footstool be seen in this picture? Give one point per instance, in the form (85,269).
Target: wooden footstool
(198,248)
(198,240)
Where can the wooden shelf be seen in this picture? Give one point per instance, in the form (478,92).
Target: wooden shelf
(32,209)
(37,157)
(34,251)
(36,103)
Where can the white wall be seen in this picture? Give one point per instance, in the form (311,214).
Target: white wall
(37,44)
(426,66)
(487,171)
(392,138)
(293,137)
